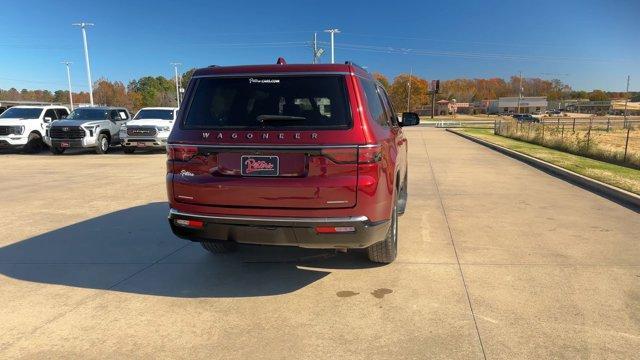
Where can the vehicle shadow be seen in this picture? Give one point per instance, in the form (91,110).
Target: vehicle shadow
(134,251)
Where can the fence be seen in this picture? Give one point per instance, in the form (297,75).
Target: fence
(612,140)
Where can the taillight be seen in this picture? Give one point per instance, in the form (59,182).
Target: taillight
(369,154)
(361,155)
(181,153)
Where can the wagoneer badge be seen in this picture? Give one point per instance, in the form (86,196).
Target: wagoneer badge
(263,136)
(65,129)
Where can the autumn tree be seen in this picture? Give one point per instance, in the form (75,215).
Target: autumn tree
(110,93)
(399,92)
(382,80)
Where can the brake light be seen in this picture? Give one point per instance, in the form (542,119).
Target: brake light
(181,153)
(360,155)
(334,229)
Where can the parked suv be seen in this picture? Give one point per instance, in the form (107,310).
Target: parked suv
(526,118)
(23,127)
(87,127)
(150,128)
(303,155)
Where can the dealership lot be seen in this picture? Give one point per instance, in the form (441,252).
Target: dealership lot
(496,260)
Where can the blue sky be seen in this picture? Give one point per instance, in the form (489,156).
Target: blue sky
(587,44)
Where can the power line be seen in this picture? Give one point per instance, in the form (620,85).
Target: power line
(488,56)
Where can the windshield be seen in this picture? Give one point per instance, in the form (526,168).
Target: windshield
(21,113)
(300,102)
(88,114)
(154,114)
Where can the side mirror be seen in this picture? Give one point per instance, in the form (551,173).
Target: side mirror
(47,119)
(410,119)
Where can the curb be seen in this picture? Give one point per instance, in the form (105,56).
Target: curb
(620,196)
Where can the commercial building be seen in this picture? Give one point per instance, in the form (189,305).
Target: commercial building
(523,105)
(446,107)
(605,107)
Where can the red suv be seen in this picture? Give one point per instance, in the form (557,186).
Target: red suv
(301,155)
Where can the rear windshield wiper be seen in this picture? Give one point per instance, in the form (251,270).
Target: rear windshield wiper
(266,118)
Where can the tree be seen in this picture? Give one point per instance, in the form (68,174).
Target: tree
(111,94)
(399,92)
(598,95)
(382,80)
(186,77)
(154,91)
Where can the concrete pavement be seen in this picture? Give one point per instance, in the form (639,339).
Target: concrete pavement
(497,260)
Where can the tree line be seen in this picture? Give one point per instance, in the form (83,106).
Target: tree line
(471,90)
(160,91)
(143,92)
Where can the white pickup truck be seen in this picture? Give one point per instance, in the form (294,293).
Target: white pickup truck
(150,128)
(23,127)
(88,127)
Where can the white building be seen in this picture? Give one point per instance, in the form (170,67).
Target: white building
(527,105)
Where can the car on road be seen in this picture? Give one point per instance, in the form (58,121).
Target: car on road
(302,155)
(149,128)
(24,127)
(87,127)
(526,118)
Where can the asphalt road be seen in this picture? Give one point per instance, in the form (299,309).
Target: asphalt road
(497,260)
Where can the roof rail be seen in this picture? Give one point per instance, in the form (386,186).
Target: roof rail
(212,66)
(356,65)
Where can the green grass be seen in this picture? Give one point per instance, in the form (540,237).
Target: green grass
(615,175)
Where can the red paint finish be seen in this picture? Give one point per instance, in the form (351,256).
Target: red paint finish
(322,173)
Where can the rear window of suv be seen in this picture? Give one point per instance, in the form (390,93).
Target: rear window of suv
(282,102)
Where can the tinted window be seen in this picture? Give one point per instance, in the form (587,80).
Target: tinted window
(154,114)
(62,113)
(373,103)
(21,113)
(295,102)
(89,114)
(51,114)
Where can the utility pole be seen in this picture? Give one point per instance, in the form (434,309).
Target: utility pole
(409,90)
(67,63)
(317,52)
(626,99)
(315,47)
(175,69)
(83,26)
(332,32)
(519,92)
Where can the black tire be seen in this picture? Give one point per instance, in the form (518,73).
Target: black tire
(57,150)
(219,247)
(129,149)
(102,144)
(34,144)
(386,251)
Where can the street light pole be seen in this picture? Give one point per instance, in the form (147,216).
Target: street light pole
(83,26)
(409,90)
(175,69)
(67,63)
(332,32)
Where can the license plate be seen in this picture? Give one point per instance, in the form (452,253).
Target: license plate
(141,144)
(64,144)
(252,165)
